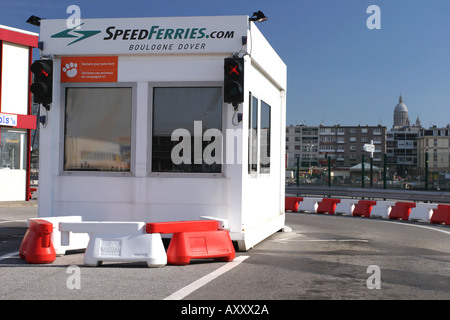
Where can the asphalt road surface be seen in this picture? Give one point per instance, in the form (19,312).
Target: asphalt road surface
(324,257)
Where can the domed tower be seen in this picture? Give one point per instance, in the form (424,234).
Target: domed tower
(400,114)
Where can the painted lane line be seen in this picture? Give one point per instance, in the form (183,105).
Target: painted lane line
(9,255)
(328,240)
(12,221)
(183,292)
(418,226)
(319,240)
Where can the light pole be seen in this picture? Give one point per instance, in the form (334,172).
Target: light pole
(426,170)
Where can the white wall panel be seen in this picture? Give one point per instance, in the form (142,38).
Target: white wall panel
(15,72)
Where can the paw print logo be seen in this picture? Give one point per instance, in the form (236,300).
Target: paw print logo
(70,69)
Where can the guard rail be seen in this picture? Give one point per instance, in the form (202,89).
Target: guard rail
(370,193)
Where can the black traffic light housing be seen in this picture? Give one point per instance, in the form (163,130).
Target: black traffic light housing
(42,82)
(234,81)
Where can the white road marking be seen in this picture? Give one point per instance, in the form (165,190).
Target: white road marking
(319,240)
(183,292)
(12,221)
(330,240)
(9,255)
(418,226)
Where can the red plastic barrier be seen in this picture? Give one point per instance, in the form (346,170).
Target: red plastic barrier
(401,210)
(181,226)
(36,246)
(292,203)
(363,208)
(185,246)
(31,192)
(441,214)
(198,239)
(328,205)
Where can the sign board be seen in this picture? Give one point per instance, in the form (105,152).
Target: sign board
(9,120)
(89,69)
(369,147)
(222,34)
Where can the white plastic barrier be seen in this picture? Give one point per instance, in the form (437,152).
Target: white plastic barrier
(222,224)
(309,204)
(422,212)
(382,209)
(346,206)
(117,241)
(78,241)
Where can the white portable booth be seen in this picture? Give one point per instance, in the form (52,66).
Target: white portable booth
(138,129)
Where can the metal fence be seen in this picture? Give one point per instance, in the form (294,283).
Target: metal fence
(367,175)
(369,193)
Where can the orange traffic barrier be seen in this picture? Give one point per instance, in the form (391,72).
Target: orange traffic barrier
(292,203)
(441,214)
(31,192)
(36,246)
(197,239)
(181,226)
(401,210)
(328,205)
(363,208)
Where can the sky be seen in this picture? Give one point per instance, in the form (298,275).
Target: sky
(339,70)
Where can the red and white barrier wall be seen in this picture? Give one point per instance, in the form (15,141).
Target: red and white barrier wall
(395,210)
(127,241)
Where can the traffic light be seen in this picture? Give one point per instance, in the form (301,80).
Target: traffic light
(42,82)
(234,81)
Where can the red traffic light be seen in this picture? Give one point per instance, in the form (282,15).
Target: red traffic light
(41,69)
(233,67)
(234,70)
(234,80)
(42,82)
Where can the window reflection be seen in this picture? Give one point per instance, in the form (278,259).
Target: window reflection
(265,138)
(181,108)
(98,129)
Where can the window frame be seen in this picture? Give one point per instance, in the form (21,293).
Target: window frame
(64,87)
(22,146)
(254,170)
(264,169)
(150,108)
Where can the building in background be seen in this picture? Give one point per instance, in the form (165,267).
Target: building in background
(436,143)
(401,117)
(16,121)
(401,143)
(302,143)
(342,144)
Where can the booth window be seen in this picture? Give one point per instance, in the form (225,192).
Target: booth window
(264,154)
(98,129)
(259,136)
(13,146)
(182,119)
(253,135)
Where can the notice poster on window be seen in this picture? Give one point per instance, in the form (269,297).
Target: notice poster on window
(89,69)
